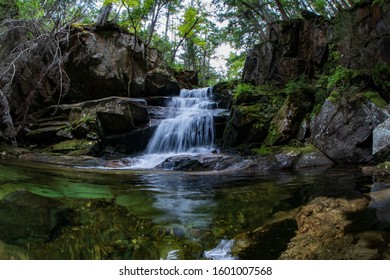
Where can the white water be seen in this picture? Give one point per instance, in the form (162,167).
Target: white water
(189,129)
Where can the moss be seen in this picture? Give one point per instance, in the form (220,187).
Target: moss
(263,150)
(375,98)
(308,149)
(73,146)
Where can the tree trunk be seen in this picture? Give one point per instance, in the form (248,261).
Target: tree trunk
(281,10)
(103,16)
(7,130)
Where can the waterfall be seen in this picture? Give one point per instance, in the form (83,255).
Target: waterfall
(190,126)
(188,129)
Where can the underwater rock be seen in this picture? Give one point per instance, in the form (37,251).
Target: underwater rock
(28,218)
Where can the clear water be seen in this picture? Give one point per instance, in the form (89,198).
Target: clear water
(122,214)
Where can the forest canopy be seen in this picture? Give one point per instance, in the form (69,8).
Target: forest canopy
(188,33)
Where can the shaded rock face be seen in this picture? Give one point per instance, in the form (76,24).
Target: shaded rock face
(294,48)
(107,62)
(345,134)
(362,36)
(26,217)
(102,119)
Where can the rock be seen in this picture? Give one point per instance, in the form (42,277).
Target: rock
(187,79)
(380,201)
(250,123)
(286,123)
(201,163)
(326,229)
(345,134)
(265,243)
(160,83)
(381,138)
(222,93)
(28,218)
(131,142)
(75,147)
(105,62)
(294,48)
(312,157)
(382,169)
(90,120)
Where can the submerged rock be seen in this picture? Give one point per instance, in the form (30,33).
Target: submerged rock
(28,218)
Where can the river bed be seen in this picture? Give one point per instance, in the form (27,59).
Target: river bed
(51,211)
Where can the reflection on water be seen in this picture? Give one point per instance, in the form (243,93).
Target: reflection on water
(122,214)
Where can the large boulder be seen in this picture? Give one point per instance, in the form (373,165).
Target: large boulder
(159,83)
(344,133)
(381,139)
(105,62)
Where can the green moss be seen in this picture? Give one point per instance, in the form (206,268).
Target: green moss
(75,145)
(263,150)
(375,98)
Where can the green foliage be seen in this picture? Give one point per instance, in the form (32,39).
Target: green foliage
(236,65)
(298,86)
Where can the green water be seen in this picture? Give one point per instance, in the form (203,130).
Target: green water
(120,214)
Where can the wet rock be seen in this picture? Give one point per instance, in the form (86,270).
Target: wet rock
(345,134)
(328,228)
(26,218)
(265,243)
(382,169)
(380,201)
(202,162)
(131,142)
(75,147)
(105,119)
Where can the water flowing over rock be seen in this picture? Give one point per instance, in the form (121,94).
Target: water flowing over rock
(190,127)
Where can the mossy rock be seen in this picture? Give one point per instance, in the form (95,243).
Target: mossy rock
(382,169)
(75,147)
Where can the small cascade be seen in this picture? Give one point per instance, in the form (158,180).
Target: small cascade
(190,128)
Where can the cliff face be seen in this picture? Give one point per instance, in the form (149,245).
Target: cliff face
(361,37)
(294,48)
(344,62)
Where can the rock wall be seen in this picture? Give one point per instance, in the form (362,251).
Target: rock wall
(361,36)
(294,48)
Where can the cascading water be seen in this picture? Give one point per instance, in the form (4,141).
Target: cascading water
(189,128)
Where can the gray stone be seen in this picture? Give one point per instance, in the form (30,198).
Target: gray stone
(344,134)
(381,137)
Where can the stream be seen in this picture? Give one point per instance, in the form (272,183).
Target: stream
(57,211)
